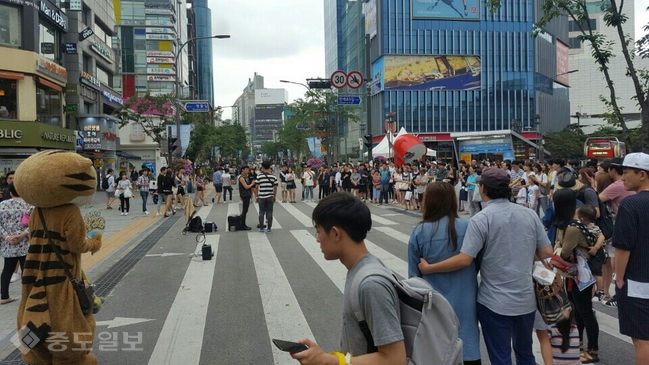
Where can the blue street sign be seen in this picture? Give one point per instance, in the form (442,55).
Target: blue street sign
(197,107)
(303,127)
(349,100)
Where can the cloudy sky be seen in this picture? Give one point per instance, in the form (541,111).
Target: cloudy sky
(280,40)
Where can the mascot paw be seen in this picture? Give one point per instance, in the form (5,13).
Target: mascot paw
(96,243)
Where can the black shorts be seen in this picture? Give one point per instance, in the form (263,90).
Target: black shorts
(181,191)
(633,314)
(218,187)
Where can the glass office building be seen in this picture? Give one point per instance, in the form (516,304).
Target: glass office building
(204,67)
(452,71)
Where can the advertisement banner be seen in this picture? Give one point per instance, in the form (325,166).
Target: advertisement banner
(446,9)
(369,9)
(434,72)
(315,146)
(377,76)
(160,78)
(563,55)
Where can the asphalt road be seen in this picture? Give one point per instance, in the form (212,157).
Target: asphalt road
(174,308)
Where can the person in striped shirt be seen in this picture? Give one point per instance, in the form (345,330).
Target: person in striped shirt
(564,338)
(266,186)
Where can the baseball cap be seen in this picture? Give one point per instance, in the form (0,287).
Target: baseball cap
(637,160)
(494,176)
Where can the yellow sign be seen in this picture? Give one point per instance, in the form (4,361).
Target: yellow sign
(466,157)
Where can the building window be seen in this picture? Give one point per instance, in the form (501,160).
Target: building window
(137,132)
(8,99)
(87,65)
(49,42)
(102,33)
(48,105)
(104,77)
(10,31)
(573,27)
(574,43)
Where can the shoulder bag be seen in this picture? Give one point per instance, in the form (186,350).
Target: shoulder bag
(84,292)
(552,300)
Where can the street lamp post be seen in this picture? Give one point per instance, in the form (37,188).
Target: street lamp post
(538,122)
(179,151)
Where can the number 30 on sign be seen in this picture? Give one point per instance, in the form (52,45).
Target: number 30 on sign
(339,79)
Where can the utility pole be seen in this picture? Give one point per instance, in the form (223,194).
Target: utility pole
(368,101)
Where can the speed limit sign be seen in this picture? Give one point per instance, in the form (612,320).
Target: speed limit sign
(339,79)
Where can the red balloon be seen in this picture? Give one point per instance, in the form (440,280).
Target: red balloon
(408,148)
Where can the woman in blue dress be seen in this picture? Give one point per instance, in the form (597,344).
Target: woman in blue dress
(438,237)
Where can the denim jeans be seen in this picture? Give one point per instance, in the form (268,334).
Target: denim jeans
(501,332)
(145,196)
(266,209)
(376,193)
(308,192)
(385,192)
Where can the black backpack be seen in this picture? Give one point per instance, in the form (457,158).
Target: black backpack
(104,183)
(605,220)
(195,225)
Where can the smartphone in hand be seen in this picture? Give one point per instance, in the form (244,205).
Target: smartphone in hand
(289,346)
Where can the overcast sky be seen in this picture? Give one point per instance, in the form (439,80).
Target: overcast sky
(280,40)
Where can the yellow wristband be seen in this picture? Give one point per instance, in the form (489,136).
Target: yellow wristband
(341,358)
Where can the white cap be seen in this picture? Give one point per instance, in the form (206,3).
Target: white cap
(637,160)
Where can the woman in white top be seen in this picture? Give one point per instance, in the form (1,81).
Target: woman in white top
(541,179)
(226,181)
(290,185)
(124,191)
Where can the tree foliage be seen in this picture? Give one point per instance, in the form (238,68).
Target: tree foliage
(230,138)
(602,52)
(153,113)
(567,143)
(320,112)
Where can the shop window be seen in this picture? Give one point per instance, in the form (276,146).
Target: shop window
(104,77)
(10,27)
(49,39)
(48,106)
(8,99)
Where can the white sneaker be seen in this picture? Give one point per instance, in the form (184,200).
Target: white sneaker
(147,212)
(15,277)
(126,213)
(122,213)
(157,214)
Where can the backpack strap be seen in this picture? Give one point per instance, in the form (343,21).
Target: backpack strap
(366,271)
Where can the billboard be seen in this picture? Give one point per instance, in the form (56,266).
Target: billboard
(270,96)
(563,55)
(433,72)
(369,9)
(446,9)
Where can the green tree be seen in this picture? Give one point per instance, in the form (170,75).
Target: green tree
(272,149)
(602,52)
(153,113)
(567,143)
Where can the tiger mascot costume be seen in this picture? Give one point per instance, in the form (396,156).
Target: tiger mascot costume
(56,182)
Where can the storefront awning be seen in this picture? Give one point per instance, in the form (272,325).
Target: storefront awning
(12,75)
(127,156)
(50,84)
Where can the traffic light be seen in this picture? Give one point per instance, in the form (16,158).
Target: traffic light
(368,141)
(173,146)
(319,84)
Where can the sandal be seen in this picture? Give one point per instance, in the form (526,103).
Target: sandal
(8,300)
(589,357)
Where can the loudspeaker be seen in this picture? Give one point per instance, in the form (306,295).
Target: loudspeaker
(207,252)
(234,222)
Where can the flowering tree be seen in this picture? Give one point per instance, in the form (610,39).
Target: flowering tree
(314,162)
(179,163)
(153,113)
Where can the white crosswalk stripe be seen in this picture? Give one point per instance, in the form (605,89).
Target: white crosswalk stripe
(402,237)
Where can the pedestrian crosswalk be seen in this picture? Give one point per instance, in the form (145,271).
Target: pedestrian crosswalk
(259,287)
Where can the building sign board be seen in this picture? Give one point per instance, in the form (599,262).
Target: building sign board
(112,97)
(158,11)
(166,71)
(160,60)
(160,30)
(103,51)
(51,69)
(70,48)
(161,36)
(161,78)
(90,80)
(76,5)
(161,23)
(85,34)
(53,13)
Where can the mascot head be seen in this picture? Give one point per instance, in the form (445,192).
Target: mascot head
(51,178)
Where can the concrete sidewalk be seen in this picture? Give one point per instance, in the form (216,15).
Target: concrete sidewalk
(121,234)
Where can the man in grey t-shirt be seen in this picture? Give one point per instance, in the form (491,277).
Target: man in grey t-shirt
(342,222)
(506,237)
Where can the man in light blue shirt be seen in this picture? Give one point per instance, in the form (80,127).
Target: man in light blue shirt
(218,185)
(504,237)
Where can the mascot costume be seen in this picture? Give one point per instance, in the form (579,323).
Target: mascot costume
(56,183)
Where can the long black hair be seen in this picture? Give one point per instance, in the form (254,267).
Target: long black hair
(564,328)
(565,205)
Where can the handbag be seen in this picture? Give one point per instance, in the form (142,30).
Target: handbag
(464,195)
(545,190)
(402,185)
(552,300)
(85,293)
(477,198)
(127,193)
(24,221)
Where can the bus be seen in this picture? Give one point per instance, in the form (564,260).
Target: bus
(604,147)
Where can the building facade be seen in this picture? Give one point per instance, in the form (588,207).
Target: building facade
(204,66)
(586,107)
(244,106)
(269,115)
(446,68)
(32,80)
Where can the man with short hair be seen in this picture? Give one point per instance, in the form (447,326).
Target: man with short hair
(266,185)
(218,185)
(506,299)
(516,176)
(632,255)
(308,177)
(9,180)
(385,184)
(442,171)
(110,191)
(342,222)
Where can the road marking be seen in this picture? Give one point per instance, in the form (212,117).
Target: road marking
(334,269)
(383,221)
(297,214)
(165,254)
(611,325)
(276,224)
(394,234)
(284,318)
(391,215)
(122,321)
(181,338)
(396,264)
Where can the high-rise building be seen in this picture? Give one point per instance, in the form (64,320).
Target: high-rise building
(464,79)
(204,66)
(586,107)
(191,52)
(245,103)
